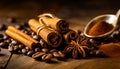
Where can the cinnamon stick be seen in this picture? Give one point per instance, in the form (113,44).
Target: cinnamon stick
(58,24)
(11,28)
(53,38)
(70,35)
(19,38)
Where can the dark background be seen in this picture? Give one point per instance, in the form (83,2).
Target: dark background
(62,8)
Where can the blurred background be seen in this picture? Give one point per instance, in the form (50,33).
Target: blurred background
(73,10)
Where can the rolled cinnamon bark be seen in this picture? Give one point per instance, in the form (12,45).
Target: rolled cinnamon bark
(56,23)
(11,28)
(53,38)
(70,35)
(21,39)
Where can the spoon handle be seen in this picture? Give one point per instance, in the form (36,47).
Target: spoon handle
(117,17)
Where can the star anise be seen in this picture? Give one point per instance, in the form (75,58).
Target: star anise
(77,48)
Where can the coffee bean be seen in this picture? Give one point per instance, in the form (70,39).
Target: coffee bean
(100,53)
(61,54)
(14,42)
(30,53)
(3,27)
(24,31)
(16,48)
(5,37)
(44,56)
(24,51)
(43,43)
(37,49)
(45,50)
(56,54)
(47,57)
(4,44)
(27,48)
(8,40)
(1,35)
(35,37)
(19,27)
(33,33)
(38,55)
(53,50)
(28,29)
(21,46)
(93,42)
(11,48)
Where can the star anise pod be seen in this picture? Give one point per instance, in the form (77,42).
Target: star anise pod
(77,48)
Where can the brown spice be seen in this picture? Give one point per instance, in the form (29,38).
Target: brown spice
(111,49)
(100,28)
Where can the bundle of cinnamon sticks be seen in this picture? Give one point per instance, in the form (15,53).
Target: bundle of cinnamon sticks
(52,29)
(52,37)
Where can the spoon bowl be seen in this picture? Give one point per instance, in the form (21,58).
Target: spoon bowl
(108,18)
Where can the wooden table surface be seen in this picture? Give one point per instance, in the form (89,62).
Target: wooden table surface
(77,17)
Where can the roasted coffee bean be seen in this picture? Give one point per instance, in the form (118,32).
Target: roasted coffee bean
(14,42)
(53,50)
(38,55)
(19,27)
(27,48)
(24,51)
(35,37)
(37,49)
(24,31)
(28,29)
(16,48)
(5,37)
(21,46)
(8,40)
(47,57)
(30,53)
(61,54)
(45,50)
(56,54)
(100,53)
(1,35)
(33,33)
(43,43)
(11,20)
(93,42)
(4,44)
(3,27)
(11,48)
(43,56)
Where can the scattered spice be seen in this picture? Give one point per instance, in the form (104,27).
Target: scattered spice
(100,28)
(111,49)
